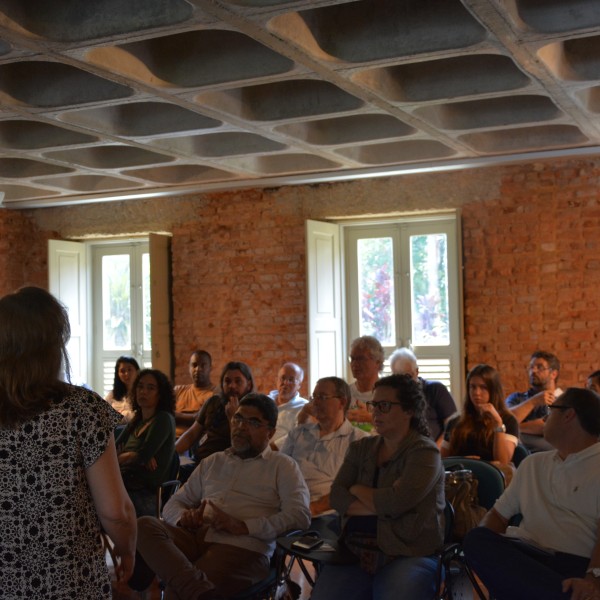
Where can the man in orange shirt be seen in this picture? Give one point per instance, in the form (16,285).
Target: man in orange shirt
(189,398)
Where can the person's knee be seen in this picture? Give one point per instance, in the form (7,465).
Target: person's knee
(149,527)
(478,542)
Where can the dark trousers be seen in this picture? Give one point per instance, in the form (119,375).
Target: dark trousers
(514,570)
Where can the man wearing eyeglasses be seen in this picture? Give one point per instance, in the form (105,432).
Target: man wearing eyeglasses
(531,407)
(219,530)
(319,447)
(554,552)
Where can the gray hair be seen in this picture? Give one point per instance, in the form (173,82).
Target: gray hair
(403,354)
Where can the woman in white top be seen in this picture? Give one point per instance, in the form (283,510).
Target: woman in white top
(126,370)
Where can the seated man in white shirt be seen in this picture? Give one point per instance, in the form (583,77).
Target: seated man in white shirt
(319,448)
(554,552)
(219,530)
(288,400)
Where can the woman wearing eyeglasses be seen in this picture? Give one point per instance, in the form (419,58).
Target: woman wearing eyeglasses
(486,429)
(390,493)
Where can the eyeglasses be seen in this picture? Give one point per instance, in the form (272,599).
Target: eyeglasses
(359,358)
(292,380)
(559,406)
(252,423)
(539,368)
(384,406)
(321,397)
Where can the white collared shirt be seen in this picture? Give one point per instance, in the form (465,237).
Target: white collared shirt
(559,500)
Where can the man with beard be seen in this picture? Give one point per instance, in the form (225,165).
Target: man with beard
(210,431)
(288,400)
(190,398)
(219,530)
(531,407)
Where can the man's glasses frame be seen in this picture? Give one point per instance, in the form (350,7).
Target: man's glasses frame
(252,423)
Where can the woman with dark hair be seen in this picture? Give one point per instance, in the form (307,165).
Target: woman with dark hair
(59,477)
(390,493)
(147,445)
(126,370)
(486,429)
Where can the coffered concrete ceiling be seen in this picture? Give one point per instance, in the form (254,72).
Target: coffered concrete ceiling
(106,99)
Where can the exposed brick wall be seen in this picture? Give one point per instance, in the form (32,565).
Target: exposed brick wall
(532,272)
(23,252)
(239,284)
(530,248)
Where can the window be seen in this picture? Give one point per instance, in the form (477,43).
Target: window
(401,282)
(121,301)
(402,286)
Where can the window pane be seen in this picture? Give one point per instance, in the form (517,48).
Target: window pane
(116,303)
(146,300)
(429,290)
(376,289)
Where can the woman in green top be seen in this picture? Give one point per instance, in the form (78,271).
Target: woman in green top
(147,445)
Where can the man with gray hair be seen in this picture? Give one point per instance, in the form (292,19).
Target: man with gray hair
(319,448)
(440,404)
(288,400)
(366,363)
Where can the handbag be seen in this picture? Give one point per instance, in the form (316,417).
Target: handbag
(461,492)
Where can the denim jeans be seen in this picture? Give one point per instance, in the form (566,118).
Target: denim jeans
(406,578)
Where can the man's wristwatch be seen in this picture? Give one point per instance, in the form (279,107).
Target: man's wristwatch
(595,571)
(500,429)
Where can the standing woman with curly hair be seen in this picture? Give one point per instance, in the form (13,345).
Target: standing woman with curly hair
(147,445)
(486,429)
(59,477)
(390,493)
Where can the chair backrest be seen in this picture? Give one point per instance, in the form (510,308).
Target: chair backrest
(168,488)
(491,480)
(519,454)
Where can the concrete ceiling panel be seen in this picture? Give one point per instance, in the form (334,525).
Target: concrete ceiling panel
(525,139)
(19,134)
(19,168)
(45,84)
(398,152)
(347,130)
(193,59)
(468,75)
(357,32)
(110,97)
(109,157)
(140,119)
(493,112)
(75,21)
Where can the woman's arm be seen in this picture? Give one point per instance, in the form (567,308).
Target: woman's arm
(504,447)
(341,498)
(506,442)
(160,431)
(114,508)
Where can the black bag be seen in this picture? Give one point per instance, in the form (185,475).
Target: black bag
(461,492)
